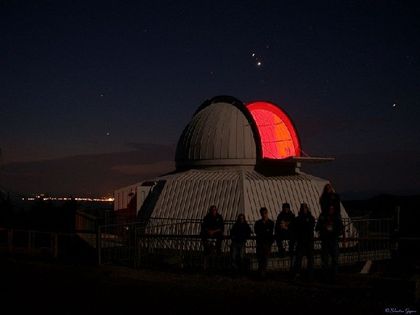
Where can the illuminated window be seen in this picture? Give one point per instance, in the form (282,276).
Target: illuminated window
(279,139)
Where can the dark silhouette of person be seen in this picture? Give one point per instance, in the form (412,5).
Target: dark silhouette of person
(284,230)
(263,229)
(239,234)
(303,226)
(212,227)
(329,198)
(330,227)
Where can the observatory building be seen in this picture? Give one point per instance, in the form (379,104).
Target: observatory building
(238,157)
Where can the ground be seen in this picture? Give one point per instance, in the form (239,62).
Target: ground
(46,287)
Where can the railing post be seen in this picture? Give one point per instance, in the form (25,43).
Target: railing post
(55,245)
(397,230)
(98,244)
(29,242)
(136,253)
(130,245)
(10,240)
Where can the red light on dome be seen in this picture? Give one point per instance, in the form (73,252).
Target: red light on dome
(279,139)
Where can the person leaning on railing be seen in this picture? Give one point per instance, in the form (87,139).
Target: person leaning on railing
(283,230)
(212,227)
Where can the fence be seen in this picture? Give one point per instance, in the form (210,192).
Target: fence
(85,222)
(30,242)
(67,247)
(176,242)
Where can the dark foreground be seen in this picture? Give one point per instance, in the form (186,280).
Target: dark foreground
(40,287)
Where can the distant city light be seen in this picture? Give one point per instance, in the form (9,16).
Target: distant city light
(103,199)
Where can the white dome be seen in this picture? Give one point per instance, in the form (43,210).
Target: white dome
(219,134)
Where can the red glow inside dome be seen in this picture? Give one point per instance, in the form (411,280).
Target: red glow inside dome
(279,139)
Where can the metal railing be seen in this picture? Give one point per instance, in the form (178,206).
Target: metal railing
(35,243)
(168,241)
(177,242)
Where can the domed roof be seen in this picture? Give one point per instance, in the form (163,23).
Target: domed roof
(225,132)
(220,133)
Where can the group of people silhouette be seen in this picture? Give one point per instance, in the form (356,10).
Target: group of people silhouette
(293,235)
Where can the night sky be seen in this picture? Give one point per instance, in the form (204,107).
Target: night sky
(94,95)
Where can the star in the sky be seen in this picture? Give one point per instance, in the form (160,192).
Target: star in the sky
(257,60)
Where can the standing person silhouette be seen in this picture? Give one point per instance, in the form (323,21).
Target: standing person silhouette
(239,234)
(284,230)
(263,229)
(329,198)
(212,227)
(330,227)
(304,225)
